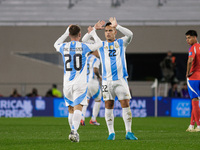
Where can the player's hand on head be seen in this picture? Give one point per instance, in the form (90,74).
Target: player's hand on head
(99,25)
(90,29)
(113,22)
(70,25)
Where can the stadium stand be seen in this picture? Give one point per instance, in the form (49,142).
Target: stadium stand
(131,12)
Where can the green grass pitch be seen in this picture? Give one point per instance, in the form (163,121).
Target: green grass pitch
(48,133)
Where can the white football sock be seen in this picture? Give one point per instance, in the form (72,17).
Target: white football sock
(84,109)
(95,110)
(76,120)
(70,116)
(127,117)
(109,117)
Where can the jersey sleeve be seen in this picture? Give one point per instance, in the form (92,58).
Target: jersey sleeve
(97,41)
(128,34)
(86,38)
(97,63)
(59,42)
(192,52)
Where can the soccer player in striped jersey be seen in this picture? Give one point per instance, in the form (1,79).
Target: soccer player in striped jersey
(193,78)
(75,55)
(114,76)
(94,90)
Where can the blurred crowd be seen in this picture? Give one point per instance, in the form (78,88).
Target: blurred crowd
(52,92)
(178,90)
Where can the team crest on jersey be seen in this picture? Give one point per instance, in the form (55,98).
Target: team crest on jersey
(106,47)
(116,45)
(190,53)
(111,46)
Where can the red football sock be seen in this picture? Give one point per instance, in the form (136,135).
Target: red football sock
(195,108)
(192,121)
(199,112)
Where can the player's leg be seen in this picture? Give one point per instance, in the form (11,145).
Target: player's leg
(192,122)
(195,107)
(194,91)
(95,112)
(126,114)
(94,92)
(109,117)
(80,99)
(127,117)
(123,94)
(68,100)
(70,116)
(77,117)
(108,97)
(84,109)
(97,102)
(74,136)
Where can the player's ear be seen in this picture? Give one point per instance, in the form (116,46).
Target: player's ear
(115,31)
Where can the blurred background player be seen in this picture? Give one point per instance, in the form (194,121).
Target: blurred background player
(94,89)
(193,78)
(114,76)
(74,55)
(168,68)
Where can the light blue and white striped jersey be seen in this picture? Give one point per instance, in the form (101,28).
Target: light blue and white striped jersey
(113,60)
(92,62)
(74,55)
(112,55)
(74,58)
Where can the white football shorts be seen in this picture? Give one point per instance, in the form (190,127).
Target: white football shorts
(75,94)
(94,90)
(118,88)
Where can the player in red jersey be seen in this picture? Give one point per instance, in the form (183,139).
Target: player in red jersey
(193,78)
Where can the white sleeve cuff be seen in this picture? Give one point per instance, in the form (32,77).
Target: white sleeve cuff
(118,26)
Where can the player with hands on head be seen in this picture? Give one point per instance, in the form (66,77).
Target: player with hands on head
(75,55)
(114,75)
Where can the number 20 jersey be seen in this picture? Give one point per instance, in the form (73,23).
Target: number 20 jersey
(113,60)
(74,55)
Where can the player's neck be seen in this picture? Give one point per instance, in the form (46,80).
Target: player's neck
(110,40)
(194,43)
(74,39)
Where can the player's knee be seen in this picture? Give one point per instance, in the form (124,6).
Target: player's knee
(71,109)
(195,99)
(124,103)
(109,104)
